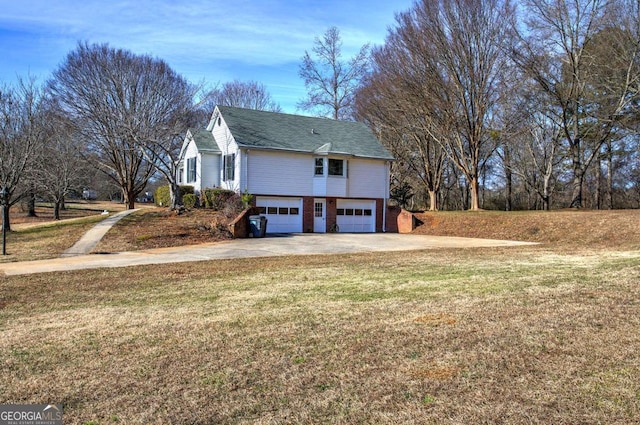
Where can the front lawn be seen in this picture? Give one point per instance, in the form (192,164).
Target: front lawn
(509,335)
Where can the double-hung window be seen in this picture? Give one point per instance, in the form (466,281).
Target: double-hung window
(191,170)
(319,167)
(229,167)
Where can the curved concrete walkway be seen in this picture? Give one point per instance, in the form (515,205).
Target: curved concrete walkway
(90,239)
(273,245)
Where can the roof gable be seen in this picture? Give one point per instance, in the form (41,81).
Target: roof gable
(273,130)
(204,140)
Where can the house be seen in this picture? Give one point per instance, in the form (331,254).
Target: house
(307,174)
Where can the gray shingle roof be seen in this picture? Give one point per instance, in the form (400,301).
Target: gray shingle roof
(204,140)
(272,130)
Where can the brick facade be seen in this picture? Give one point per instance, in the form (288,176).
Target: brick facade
(406,222)
(331,215)
(307,214)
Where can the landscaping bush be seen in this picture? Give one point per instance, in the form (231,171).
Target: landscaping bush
(215,198)
(163,199)
(189,200)
(161,196)
(247,198)
(233,206)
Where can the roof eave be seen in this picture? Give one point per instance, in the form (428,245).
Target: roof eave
(264,148)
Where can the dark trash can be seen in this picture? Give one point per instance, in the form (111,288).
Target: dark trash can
(258,226)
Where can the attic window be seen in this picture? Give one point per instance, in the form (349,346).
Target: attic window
(219,121)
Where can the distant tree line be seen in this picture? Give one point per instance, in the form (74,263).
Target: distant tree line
(489,104)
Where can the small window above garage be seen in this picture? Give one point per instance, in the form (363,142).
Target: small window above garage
(337,167)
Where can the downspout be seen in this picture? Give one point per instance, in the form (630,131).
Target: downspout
(245,171)
(386,193)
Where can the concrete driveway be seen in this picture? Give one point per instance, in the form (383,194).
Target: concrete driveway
(272,245)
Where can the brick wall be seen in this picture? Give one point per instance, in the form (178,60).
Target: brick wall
(307,214)
(392,219)
(239,227)
(406,222)
(332,213)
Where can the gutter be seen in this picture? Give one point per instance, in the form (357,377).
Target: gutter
(268,149)
(384,207)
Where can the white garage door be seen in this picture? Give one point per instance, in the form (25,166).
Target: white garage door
(284,215)
(356,216)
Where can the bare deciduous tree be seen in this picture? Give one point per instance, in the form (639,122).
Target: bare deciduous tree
(537,148)
(392,101)
(452,55)
(331,82)
(61,167)
(21,136)
(165,152)
(249,95)
(122,104)
(584,55)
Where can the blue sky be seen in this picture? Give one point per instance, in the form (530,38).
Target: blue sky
(213,41)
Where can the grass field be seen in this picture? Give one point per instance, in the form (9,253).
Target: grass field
(545,334)
(41,237)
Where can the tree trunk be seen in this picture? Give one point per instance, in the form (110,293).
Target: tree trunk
(174,195)
(56,209)
(433,200)
(129,198)
(475,201)
(464,193)
(598,190)
(546,197)
(31,205)
(578,179)
(5,217)
(508,175)
(508,192)
(609,193)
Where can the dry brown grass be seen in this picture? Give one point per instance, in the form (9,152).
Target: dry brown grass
(40,237)
(514,336)
(44,213)
(528,335)
(609,229)
(161,228)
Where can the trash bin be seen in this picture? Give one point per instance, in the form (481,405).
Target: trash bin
(258,226)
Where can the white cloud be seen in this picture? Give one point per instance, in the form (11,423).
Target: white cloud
(213,39)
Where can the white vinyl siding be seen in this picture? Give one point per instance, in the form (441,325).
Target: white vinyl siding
(210,171)
(367,179)
(199,169)
(227,145)
(279,173)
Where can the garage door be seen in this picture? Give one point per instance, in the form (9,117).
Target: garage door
(284,215)
(356,216)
